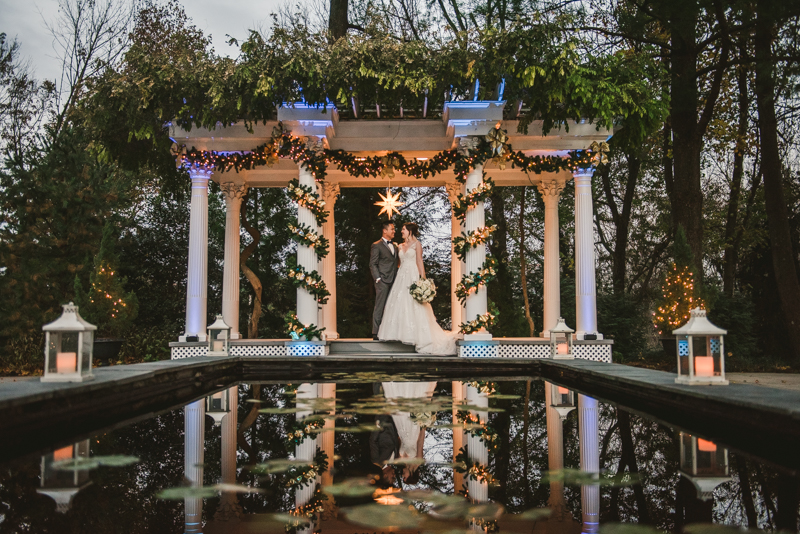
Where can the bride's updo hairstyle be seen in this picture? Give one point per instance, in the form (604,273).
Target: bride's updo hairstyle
(412,228)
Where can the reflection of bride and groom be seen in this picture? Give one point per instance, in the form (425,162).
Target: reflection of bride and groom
(398,316)
(401,435)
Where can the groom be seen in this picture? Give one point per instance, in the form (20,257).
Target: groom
(383,266)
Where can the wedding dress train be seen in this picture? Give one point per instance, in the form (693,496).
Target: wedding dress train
(407,430)
(408,321)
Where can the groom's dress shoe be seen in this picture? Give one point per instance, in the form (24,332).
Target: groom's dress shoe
(375,338)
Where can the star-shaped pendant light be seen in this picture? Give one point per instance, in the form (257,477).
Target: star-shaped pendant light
(389,203)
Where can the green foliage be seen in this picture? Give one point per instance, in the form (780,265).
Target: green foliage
(624,319)
(736,315)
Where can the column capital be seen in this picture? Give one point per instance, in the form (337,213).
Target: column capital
(329,192)
(233,191)
(583,172)
(453,190)
(199,174)
(551,188)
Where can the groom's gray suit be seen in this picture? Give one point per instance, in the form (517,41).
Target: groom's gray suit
(383,265)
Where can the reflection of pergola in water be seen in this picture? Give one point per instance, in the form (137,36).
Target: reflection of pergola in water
(419,139)
(230,519)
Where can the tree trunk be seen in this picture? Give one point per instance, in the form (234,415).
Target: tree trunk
(777,213)
(788,498)
(255,282)
(629,455)
(526,418)
(523,264)
(337,20)
(501,288)
(747,495)
(622,220)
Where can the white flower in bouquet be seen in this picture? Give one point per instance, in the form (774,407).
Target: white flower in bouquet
(426,419)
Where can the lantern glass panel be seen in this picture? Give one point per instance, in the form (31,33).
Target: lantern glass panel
(218,340)
(62,354)
(217,402)
(86,351)
(683,355)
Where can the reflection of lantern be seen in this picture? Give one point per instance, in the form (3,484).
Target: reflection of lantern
(701,351)
(62,485)
(219,335)
(704,463)
(561,341)
(562,399)
(68,346)
(217,406)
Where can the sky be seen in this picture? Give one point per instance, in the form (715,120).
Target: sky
(25,20)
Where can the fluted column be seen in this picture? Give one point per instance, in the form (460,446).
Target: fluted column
(197,269)
(308,448)
(233,193)
(307,309)
(588,421)
(456,318)
(476,449)
(551,192)
(330,192)
(229,503)
(194,426)
(477,302)
(459,395)
(555,455)
(585,285)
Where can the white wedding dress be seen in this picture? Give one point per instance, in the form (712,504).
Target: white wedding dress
(408,321)
(407,430)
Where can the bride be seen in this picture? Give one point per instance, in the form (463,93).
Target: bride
(405,319)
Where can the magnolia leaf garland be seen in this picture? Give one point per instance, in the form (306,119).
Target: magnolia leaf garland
(464,242)
(479,194)
(472,469)
(305,235)
(307,513)
(482,321)
(485,433)
(483,387)
(306,198)
(310,281)
(303,429)
(473,280)
(307,332)
(303,475)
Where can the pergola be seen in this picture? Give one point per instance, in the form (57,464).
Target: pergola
(418,139)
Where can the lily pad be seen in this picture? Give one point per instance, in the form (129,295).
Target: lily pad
(632,528)
(488,510)
(379,516)
(186,492)
(85,464)
(279,410)
(290,519)
(536,514)
(280,465)
(236,488)
(504,397)
(576,477)
(405,461)
(353,487)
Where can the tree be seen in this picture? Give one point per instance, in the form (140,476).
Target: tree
(679,294)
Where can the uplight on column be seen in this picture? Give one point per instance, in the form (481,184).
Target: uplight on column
(561,341)
(704,464)
(562,400)
(69,342)
(701,351)
(218,406)
(219,338)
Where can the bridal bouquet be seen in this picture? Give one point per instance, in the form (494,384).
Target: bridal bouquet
(423,290)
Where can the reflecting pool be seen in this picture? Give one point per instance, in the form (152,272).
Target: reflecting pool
(376,453)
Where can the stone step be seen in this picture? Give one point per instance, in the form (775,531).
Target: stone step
(369,347)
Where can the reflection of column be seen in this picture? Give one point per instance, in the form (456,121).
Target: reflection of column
(326,439)
(551,192)
(308,448)
(194,422)
(476,449)
(230,278)
(555,456)
(458,434)
(329,192)
(453,190)
(307,311)
(197,270)
(229,505)
(585,290)
(590,461)
(476,302)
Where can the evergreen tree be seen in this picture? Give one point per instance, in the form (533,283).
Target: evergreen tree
(106,304)
(679,295)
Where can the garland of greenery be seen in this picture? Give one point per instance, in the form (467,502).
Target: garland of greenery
(305,235)
(303,475)
(302,430)
(307,332)
(464,242)
(485,433)
(473,280)
(305,197)
(308,513)
(310,281)
(478,194)
(484,387)
(482,321)
(473,470)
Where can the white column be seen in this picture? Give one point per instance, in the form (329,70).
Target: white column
(477,303)
(585,286)
(194,426)
(459,394)
(308,448)
(456,318)
(590,462)
(551,192)
(197,270)
(307,309)
(229,504)
(233,193)
(555,455)
(326,439)
(476,449)
(329,193)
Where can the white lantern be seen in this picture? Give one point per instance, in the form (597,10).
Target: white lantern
(62,485)
(217,406)
(219,335)
(704,464)
(562,399)
(68,346)
(701,351)
(561,341)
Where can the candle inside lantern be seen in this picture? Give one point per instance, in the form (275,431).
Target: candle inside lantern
(64,453)
(562,348)
(704,365)
(218,346)
(562,391)
(705,446)
(66,362)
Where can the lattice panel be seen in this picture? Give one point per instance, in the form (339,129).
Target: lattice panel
(258,350)
(524,351)
(714,345)
(683,347)
(477,351)
(306,349)
(595,353)
(176,353)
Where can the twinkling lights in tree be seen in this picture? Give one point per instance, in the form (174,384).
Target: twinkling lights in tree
(678,299)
